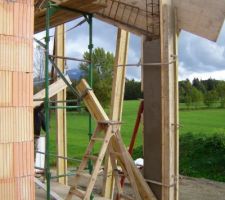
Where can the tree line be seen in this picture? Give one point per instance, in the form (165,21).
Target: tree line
(198,93)
(195,94)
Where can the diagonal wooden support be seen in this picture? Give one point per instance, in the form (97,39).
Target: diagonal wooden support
(54,88)
(119,76)
(109,133)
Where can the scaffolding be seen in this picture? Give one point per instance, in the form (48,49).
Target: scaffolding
(51,8)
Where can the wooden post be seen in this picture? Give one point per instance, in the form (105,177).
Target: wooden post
(61,113)
(119,76)
(16,100)
(160,108)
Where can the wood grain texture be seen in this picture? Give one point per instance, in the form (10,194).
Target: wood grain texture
(61,128)
(91,101)
(119,74)
(54,88)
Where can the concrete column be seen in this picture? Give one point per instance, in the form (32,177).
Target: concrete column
(160,109)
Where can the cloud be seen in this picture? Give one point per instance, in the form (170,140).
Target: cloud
(198,55)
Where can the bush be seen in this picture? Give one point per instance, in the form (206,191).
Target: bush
(201,155)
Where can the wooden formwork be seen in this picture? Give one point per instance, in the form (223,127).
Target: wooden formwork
(61,16)
(16,103)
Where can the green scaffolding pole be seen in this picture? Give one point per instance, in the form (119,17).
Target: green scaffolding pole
(89,17)
(90,80)
(47,160)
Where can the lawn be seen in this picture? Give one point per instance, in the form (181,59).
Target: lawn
(202,121)
(78,129)
(202,152)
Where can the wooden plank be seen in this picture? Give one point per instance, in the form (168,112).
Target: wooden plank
(61,128)
(91,101)
(43,186)
(169,101)
(176,107)
(53,90)
(116,108)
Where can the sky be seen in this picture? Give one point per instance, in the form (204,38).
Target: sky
(198,57)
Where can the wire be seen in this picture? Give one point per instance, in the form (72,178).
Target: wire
(70,29)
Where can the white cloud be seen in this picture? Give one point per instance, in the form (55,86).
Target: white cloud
(198,57)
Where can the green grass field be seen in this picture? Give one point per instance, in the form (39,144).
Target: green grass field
(196,134)
(202,121)
(78,129)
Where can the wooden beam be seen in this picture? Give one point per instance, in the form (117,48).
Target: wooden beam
(116,108)
(170,178)
(43,186)
(91,101)
(54,88)
(61,124)
(176,107)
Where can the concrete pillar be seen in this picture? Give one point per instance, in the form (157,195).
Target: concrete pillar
(160,109)
(16,103)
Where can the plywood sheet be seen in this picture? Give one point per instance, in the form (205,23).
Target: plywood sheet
(201,17)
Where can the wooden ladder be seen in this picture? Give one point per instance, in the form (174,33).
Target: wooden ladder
(108,133)
(110,130)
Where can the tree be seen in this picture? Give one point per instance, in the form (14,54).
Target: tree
(221,93)
(210,98)
(102,73)
(132,90)
(187,88)
(39,63)
(196,97)
(199,85)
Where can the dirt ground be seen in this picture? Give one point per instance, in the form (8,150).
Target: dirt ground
(190,189)
(201,189)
